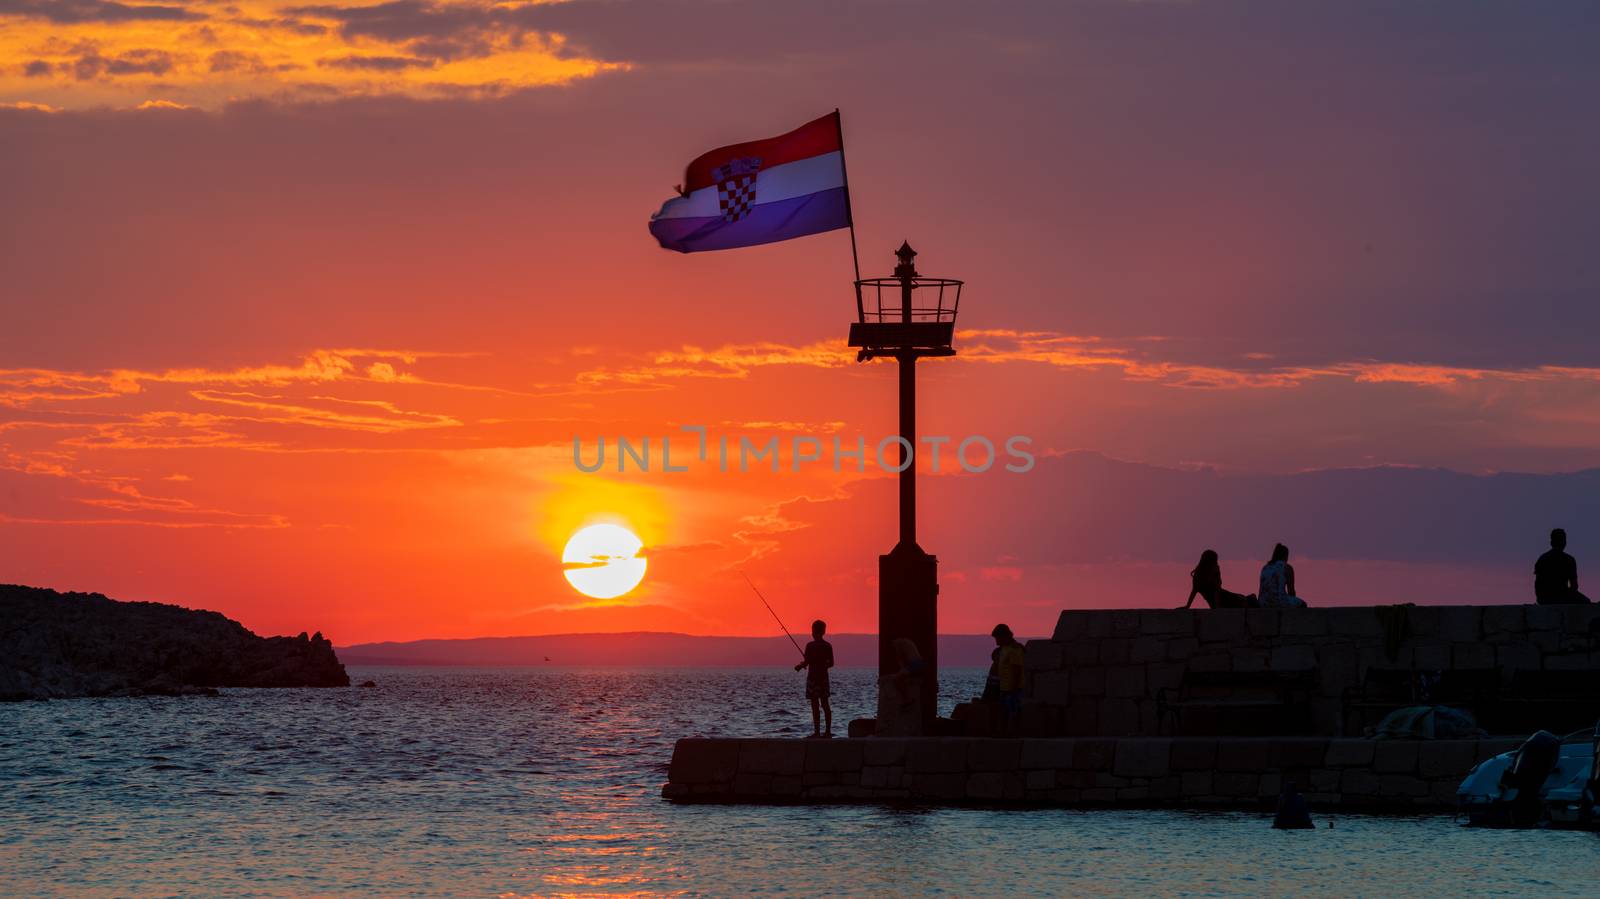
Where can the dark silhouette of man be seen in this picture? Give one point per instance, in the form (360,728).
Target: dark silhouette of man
(1010,663)
(1555,575)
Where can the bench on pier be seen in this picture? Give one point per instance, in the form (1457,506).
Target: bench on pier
(1385,689)
(1237,703)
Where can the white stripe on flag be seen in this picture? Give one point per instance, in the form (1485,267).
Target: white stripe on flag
(781,182)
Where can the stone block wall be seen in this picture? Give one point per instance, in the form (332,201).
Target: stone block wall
(1100,672)
(1088,771)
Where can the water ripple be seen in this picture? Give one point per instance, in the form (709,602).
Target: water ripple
(545,782)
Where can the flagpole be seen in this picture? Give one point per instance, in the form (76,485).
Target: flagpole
(849,211)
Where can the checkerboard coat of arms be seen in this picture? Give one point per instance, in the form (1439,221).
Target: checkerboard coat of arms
(736,187)
(800,179)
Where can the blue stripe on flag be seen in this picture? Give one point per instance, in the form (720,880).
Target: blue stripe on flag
(825,210)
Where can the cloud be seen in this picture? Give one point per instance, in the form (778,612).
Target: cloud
(167,429)
(377,416)
(143,61)
(1143,362)
(72,454)
(225,408)
(21,387)
(84,53)
(267,523)
(376,63)
(1138,360)
(730,361)
(76,12)
(657,552)
(383,371)
(54,490)
(408,20)
(230,61)
(445,31)
(288,24)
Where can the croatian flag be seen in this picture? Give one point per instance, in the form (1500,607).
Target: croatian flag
(760,192)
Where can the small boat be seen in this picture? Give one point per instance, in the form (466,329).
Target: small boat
(1547,780)
(1576,803)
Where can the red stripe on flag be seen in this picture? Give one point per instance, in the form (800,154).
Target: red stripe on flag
(811,139)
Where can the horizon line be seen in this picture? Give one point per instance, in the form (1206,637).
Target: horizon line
(642,634)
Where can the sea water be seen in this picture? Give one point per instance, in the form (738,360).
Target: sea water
(547,781)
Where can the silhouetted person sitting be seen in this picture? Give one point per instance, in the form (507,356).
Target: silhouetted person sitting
(1277,582)
(1012,668)
(819,658)
(1206,581)
(900,693)
(1555,575)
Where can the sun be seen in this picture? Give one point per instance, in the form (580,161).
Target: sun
(603,561)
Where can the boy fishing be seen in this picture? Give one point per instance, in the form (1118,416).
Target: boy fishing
(818,659)
(817,656)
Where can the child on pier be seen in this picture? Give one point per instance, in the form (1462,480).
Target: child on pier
(818,659)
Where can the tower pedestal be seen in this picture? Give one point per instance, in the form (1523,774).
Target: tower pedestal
(908,599)
(895,324)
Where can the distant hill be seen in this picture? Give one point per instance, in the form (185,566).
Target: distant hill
(645,648)
(59,645)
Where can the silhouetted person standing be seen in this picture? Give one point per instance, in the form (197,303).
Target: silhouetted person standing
(819,658)
(1011,667)
(1277,582)
(1206,582)
(1555,575)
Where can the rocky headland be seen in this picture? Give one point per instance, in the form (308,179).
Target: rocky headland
(61,645)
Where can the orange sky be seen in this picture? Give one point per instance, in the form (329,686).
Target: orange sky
(313,350)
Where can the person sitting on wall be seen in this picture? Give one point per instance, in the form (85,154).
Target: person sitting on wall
(1012,668)
(900,693)
(1277,582)
(1206,581)
(1555,575)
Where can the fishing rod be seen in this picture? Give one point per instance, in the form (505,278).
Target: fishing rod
(774,614)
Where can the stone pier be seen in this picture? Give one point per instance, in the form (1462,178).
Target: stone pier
(1103,673)
(1149,707)
(1351,774)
